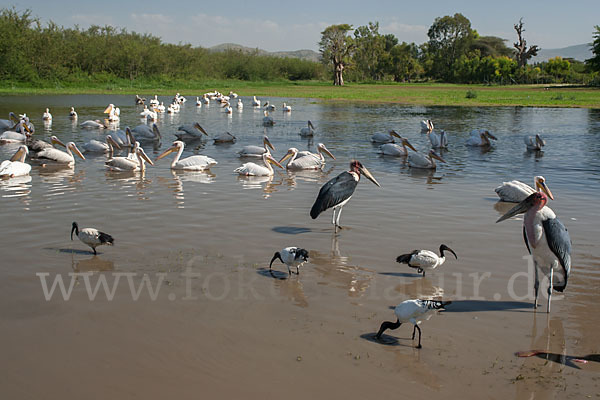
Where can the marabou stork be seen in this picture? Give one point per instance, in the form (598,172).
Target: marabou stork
(423,260)
(547,241)
(339,190)
(92,237)
(292,257)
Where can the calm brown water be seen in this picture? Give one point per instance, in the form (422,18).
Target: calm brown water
(232,329)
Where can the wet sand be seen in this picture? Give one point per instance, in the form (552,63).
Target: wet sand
(246,333)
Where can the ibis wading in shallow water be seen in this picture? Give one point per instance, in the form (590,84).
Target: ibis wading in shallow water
(547,241)
(423,260)
(92,237)
(412,311)
(339,190)
(292,257)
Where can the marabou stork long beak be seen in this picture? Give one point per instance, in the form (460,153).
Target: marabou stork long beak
(520,208)
(368,175)
(541,185)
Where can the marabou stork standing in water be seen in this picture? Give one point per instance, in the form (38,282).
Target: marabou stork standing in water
(412,311)
(292,257)
(547,241)
(425,259)
(91,236)
(339,190)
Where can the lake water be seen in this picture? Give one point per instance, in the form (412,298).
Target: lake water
(311,333)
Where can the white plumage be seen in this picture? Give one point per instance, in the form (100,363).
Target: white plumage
(192,163)
(16,165)
(92,237)
(517,191)
(293,257)
(413,311)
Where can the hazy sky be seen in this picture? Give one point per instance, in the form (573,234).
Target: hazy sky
(297,25)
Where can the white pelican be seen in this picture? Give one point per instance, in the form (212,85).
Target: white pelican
(224,137)
(205,99)
(307,131)
(227,107)
(547,241)
(396,150)
(198,102)
(154,101)
(268,120)
(534,143)
(385,137)
(256,151)
(113,113)
(96,146)
(412,311)
(307,160)
(292,257)
(192,163)
(52,156)
(438,140)
(252,169)
(140,100)
(144,133)
(286,108)
(255,103)
(92,237)
(240,105)
(16,165)
(339,190)
(96,124)
(418,160)
(480,138)
(424,260)
(233,95)
(47,116)
(129,163)
(191,132)
(517,191)
(73,113)
(426,126)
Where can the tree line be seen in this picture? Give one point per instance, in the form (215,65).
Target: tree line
(33,54)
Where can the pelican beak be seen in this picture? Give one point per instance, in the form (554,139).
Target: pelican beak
(113,142)
(489,135)
(76,151)
(287,155)
(437,156)
(396,134)
(56,140)
(268,143)
(274,161)
(541,185)
(324,150)
(201,129)
(368,175)
(142,153)
(107,110)
(166,152)
(311,124)
(518,209)
(407,144)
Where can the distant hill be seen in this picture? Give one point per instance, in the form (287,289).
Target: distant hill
(309,55)
(580,52)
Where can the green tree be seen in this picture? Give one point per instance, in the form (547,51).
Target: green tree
(594,62)
(336,47)
(449,38)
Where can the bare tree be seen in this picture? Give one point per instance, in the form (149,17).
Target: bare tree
(523,53)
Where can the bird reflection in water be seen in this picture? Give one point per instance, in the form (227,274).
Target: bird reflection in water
(336,270)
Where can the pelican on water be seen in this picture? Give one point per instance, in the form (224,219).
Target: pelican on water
(547,241)
(92,237)
(96,146)
(192,163)
(393,149)
(419,160)
(339,190)
(256,151)
(480,138)
(52,156)
(307,160)
(427,126)
(424,260)
(252,169)
(385,137)
(412,311)
(267,119)
(47,116)
(16,165)
(517,191)
(308,130)
(534,143)
(292,257)
(438,140)
(191,132)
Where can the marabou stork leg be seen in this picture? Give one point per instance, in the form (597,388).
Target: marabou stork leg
(550,290)
(536,285)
